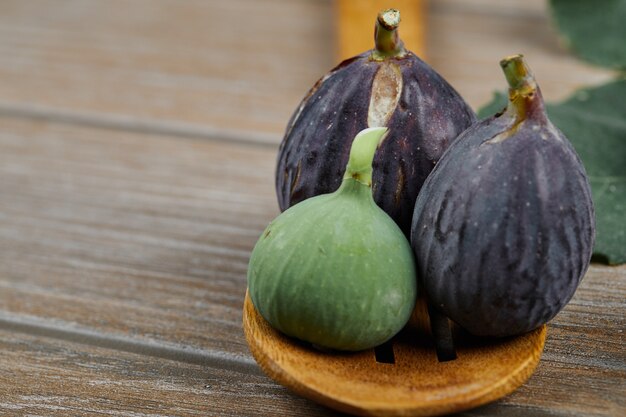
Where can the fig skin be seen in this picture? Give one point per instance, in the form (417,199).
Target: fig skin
(503,228)
(335,270)
(382,87)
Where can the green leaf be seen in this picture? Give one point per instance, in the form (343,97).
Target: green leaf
(594,120)
(595,30)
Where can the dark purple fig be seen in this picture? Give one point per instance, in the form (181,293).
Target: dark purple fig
(504,226)
(386,86)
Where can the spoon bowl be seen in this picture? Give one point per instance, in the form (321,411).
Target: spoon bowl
(406,379)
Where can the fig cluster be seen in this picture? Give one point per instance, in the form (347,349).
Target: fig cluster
(498,212)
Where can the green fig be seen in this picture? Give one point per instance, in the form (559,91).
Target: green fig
(335,270)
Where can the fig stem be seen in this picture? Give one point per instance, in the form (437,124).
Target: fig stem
(362,152)
(517,73)
(524,94)
(442,333)
(388,43)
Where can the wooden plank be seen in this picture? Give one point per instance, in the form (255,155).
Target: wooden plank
(355,25)
(158,62)
(141,243)
(94,223)
(466,40)
(41,376)
(52,377)
(240,65)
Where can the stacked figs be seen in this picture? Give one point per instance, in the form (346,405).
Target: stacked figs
(502,228)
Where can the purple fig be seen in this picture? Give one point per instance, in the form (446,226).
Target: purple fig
(387,86)
(503,228)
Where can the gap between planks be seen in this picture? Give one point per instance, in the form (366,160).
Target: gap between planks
(213,359)
(132,124)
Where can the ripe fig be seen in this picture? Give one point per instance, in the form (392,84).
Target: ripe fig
(386,86)
(335,270)
(504,226)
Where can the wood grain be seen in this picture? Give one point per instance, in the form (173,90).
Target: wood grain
(173,65)
(94,222)
(238,65)
(42,376)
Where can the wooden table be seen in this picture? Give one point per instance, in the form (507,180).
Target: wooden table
(137,149)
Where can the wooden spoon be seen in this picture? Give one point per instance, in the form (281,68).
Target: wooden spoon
(415,384)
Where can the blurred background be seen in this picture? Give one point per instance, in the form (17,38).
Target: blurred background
(240,67)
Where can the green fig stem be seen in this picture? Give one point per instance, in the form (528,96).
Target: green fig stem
(362,152)
(388,43)
(524,94)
